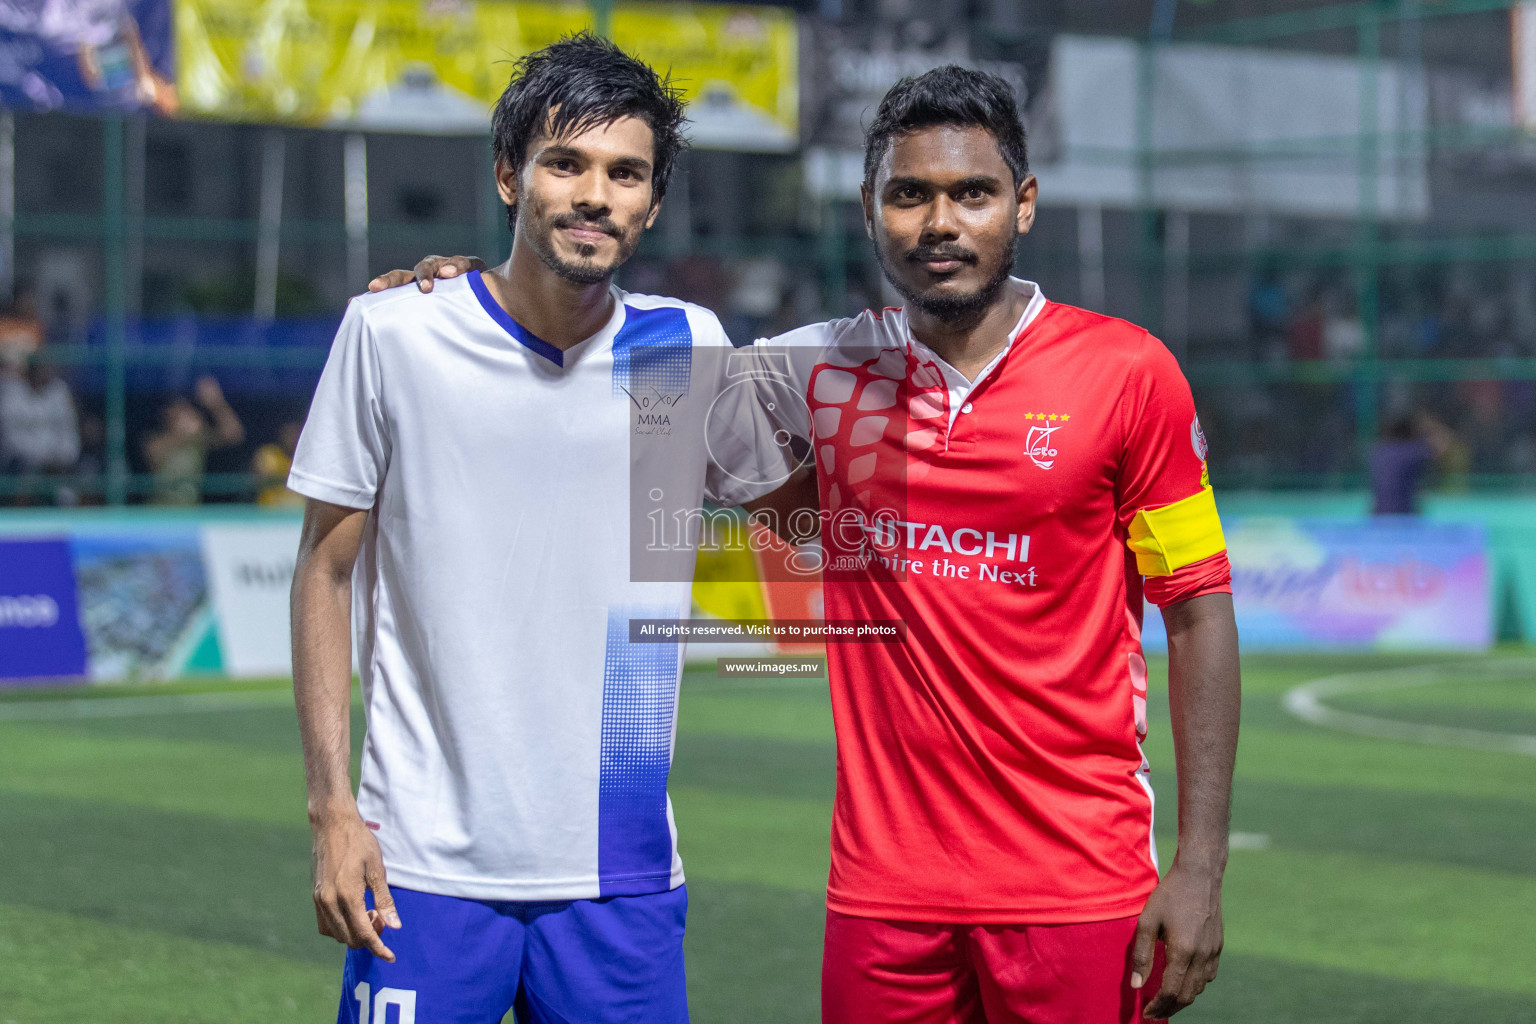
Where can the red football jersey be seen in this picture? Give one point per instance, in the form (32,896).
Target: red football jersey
(990,767)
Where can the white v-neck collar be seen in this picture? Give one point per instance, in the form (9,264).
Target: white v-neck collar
(553,354)
(959,387)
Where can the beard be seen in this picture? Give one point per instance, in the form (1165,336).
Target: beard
(585,269)
(949,308)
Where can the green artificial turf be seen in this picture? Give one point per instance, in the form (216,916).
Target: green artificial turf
(154,867)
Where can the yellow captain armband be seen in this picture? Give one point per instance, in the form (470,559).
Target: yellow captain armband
(1169,538)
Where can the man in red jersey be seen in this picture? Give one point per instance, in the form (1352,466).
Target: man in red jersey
(1011,477)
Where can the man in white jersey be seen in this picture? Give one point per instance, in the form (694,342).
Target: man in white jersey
(468,465)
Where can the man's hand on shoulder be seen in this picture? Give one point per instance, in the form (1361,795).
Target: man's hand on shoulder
(427,271)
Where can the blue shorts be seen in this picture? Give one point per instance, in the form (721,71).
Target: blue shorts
(459,961)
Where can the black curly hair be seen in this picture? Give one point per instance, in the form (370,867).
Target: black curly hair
(581,82)
(948,95)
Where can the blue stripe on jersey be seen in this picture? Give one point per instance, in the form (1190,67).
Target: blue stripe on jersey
(653,353)
(512,327)
(634,843)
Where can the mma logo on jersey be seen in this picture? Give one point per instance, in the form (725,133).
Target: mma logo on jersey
(1197,439)
(1040,443)
(653,409)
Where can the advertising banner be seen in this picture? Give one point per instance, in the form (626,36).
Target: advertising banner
(144,602)
(1079,99)
(439,65)
(849,68)
(40,635)
(1211,103)
(1378,585)
(128,597)
(123,598)
(101,55)
(250,571)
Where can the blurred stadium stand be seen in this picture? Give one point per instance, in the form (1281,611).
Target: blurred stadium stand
(1324,209)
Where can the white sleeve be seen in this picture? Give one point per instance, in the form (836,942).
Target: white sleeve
(758,431)
(344,449)
(783,372)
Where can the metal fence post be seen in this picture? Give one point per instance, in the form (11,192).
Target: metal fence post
(115,258)
(1368,232)
(1149,248)
(269,232)
(355,194)
(602,17)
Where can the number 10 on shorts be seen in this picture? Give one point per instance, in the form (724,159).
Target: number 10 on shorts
(405,999)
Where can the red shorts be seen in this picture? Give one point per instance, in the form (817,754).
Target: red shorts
(903,972)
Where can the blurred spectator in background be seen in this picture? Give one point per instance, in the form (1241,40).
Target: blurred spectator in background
(39,432)
(1482,424)
(21,332)
(178,454)
(1269,310)
(1399,460)
(88,488)
(1429,327)
(1453,458)
(1304,333)
(1343,333)
(103,38)
(271,464)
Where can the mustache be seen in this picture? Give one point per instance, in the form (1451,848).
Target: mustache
(576,220)
(927,253)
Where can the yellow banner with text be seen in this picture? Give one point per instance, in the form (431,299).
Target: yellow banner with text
(438,66)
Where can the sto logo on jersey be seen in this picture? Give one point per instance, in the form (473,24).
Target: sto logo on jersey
(1040,442)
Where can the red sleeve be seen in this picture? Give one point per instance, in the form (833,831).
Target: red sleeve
(1211,575)
(1162,465)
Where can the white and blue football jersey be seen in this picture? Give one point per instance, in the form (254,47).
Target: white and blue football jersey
(518,742)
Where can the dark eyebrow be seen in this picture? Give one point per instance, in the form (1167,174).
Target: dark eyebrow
(635,162)
(558,152)
(986,182)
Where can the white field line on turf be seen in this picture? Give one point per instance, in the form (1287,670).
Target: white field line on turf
(130,707)
(1306,703)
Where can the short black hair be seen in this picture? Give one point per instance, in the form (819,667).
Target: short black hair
(586,81)
(948,95)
